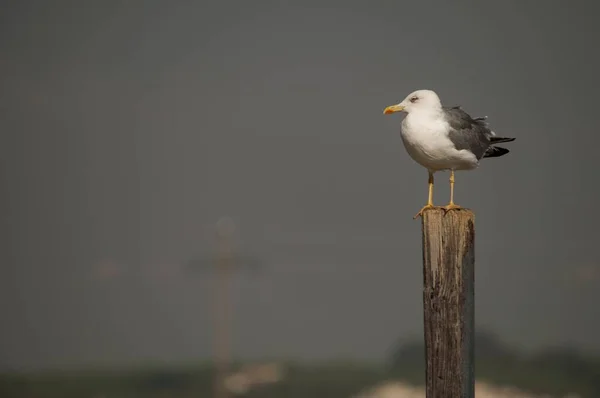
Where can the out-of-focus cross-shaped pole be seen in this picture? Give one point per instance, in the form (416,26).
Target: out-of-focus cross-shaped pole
(224,264)
(222,305)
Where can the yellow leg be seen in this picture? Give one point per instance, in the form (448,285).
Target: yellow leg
(451,205)
(429,204)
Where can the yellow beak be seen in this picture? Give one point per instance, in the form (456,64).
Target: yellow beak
(392,109)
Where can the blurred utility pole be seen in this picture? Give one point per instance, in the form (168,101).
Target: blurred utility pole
(222,305)
(227,261)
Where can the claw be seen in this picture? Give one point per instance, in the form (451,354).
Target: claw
(420,213)
(451,206)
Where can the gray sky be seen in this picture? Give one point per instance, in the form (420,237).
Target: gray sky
(127,132)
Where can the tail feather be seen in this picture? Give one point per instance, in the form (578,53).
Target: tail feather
(495,151)
(498,140)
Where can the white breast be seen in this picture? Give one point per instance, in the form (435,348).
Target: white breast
(426,140)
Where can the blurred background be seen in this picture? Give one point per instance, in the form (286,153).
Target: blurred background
(201,191)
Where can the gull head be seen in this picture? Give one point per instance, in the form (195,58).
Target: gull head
(415,101)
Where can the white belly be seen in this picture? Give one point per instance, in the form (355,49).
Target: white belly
(429,145)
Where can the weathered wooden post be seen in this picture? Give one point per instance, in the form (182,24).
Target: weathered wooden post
(448,302)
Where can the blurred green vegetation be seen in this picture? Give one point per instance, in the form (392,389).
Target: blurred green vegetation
(556,371)
(331,379)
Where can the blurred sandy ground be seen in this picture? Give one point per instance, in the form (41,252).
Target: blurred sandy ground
(396,389)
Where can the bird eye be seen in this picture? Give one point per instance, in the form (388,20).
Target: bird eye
(414,99)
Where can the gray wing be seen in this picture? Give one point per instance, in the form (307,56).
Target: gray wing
(468,133)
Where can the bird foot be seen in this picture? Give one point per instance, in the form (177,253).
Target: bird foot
(426,207)
(451,206)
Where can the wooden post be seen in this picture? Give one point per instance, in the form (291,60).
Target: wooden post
(448,302)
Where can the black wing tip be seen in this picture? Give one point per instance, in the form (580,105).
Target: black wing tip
(498,140)
(495,151)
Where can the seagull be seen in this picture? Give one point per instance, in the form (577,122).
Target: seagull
(444,138)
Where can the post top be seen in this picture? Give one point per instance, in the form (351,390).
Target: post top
(439,210)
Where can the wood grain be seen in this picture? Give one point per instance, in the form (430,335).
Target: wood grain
(448,299)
